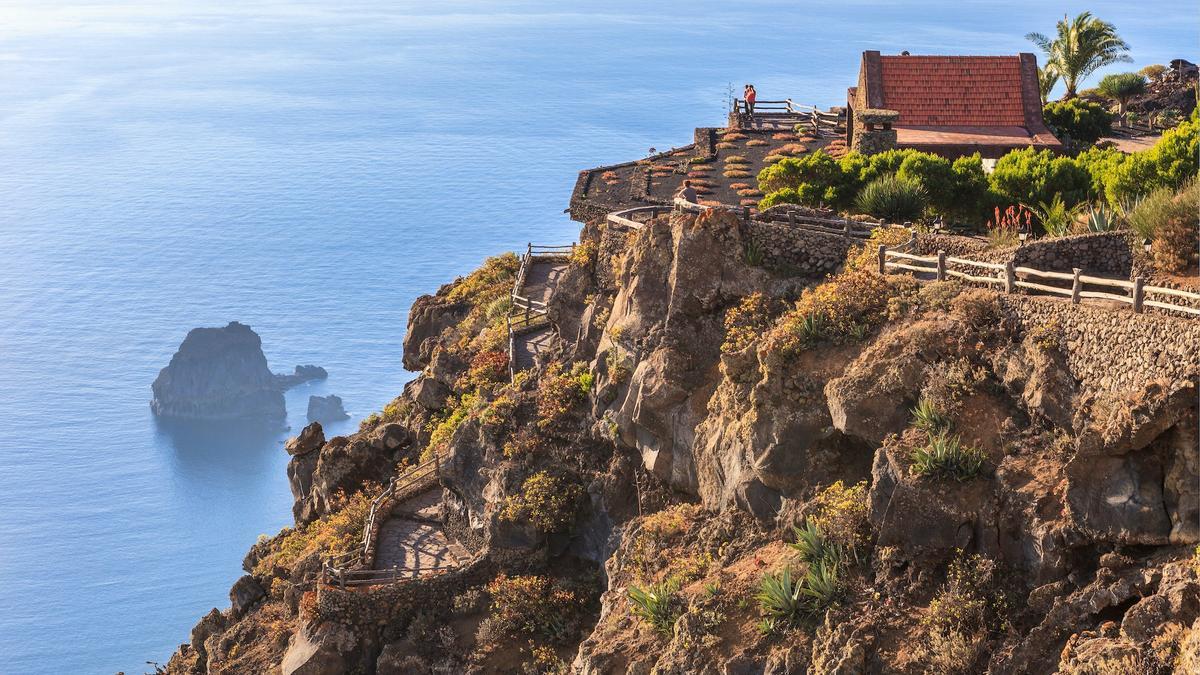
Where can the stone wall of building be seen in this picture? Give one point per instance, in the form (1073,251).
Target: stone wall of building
(1113,350)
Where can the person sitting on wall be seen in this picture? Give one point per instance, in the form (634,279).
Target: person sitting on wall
(687,192)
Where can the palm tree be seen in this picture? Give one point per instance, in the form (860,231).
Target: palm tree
(1047,78)
(1082,45)
(1122,86)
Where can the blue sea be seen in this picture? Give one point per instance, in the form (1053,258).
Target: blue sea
(309,168)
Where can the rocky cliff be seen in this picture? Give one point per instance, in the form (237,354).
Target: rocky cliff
(221,373)
(724,468)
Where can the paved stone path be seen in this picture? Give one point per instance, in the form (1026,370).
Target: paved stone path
(540,281)
(411,539)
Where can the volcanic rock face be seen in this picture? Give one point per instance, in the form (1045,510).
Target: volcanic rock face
(219,373)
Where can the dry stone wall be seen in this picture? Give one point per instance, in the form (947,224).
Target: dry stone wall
(1113,350)
(1104,254)
(798,251)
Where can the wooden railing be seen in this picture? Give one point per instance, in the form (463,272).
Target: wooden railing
(842,226)
(356,565)
(525,313)
(1011,277)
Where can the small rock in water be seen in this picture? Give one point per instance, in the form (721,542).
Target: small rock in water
(300,375)
(326,409)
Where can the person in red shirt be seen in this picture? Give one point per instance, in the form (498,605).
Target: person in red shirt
(749,96)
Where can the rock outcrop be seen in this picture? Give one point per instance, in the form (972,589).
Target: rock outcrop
(653,452)
(326,409)
(219,373)
(222,374)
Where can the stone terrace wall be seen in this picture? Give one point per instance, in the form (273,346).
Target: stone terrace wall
(799,251)
(1114,350)
(1102,254)
(392,604)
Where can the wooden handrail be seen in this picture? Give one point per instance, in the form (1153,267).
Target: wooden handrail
(1012,277)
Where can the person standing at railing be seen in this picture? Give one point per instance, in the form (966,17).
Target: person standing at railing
(749,95)
(687,192)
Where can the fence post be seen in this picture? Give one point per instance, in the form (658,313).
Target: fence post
(941,266)
(1139,294)
(1076,287)
(1010,277)
(846,229)
(883,258)
(746,214)
(791,219)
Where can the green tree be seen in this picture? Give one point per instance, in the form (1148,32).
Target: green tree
(1122,86)
(1082,121)
(1080,47)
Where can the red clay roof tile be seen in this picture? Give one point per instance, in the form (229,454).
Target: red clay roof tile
(981,91)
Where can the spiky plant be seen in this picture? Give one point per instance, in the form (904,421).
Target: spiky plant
(780,597)
(946,456)
(822,585)
(655,604)
(929,418)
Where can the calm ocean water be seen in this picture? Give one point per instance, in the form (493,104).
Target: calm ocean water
(309,169)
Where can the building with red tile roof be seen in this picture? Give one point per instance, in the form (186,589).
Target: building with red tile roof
(951,105)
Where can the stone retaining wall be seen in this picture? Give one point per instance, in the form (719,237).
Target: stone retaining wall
(1105,254)
(394,604)
(798,251)
(1113,350)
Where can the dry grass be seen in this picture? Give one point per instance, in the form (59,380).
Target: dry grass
(702,182)
(709,202)
(736,173)
(736,159)
(740,186)
(726,146)
(756,143)
(749,192)
(700,172)
(733,136)
(749,202)
(703,191)
(609,175)
(784,136)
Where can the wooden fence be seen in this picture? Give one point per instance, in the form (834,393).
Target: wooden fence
(525,313)
(1011,277)
(354,568)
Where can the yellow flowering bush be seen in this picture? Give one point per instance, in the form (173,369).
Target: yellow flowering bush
(546,500)
(746,321)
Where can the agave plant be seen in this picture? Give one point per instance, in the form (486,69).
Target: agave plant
(1101,218)
(946,455)
(928,417)
(813,546)
(822,584)
(812,327)
(655,604)
(780,597)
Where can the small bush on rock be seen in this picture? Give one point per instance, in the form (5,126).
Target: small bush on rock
(547,501)
(656,604)
(842,515)
(945,456)
(746,321)
(533,606)
(893,199)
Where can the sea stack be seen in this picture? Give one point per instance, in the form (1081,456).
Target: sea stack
(219,374)
(325,409)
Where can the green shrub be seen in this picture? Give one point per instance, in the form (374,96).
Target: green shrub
(1056,218)
(893,199)
(1170,163)
(533,606)
(656,604)
(928,418)
(822,584)
(841,515)
(746,321)
(1078,120)
(1034,176)
(545,500)
(811,179)
(1153,71)
(946,456)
